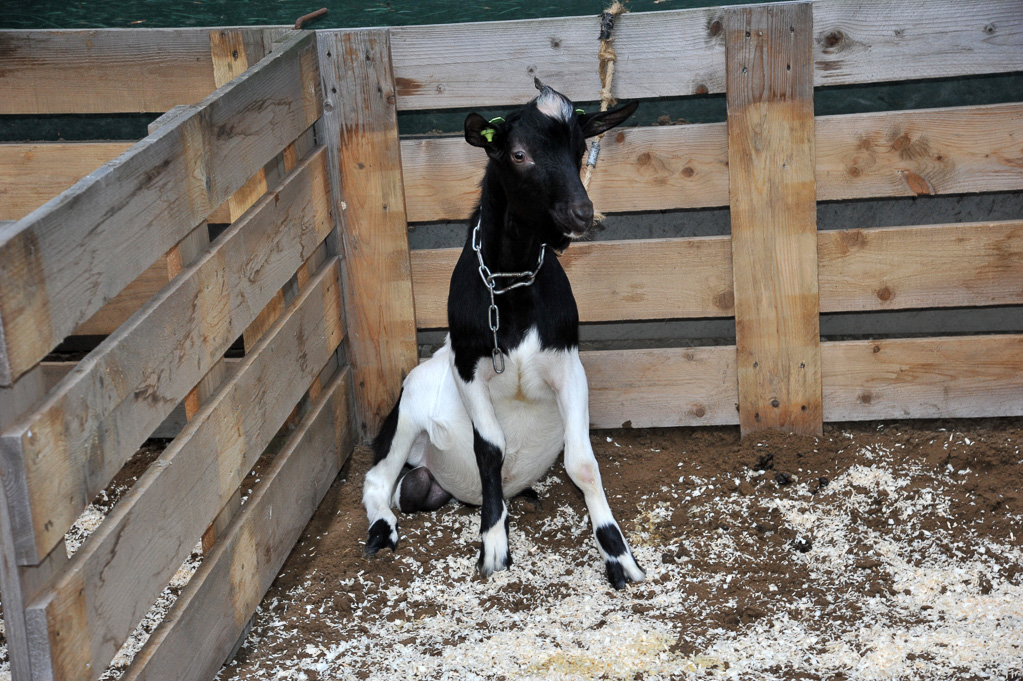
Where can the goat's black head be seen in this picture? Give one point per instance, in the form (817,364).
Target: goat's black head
(537,154)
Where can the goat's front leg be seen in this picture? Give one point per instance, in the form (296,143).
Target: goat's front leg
(573,402)
(488,445)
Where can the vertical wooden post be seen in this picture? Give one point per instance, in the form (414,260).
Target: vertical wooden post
(769,79)
(360,129)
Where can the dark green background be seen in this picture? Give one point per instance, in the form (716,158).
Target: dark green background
(41,14)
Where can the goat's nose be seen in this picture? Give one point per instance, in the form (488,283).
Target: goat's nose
(583,213)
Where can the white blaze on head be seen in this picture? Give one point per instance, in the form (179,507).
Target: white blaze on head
(552,104)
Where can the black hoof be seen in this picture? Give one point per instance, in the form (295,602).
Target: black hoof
(379,538)
(529,497)
(616,574)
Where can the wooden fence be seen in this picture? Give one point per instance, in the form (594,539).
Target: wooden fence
(291,139)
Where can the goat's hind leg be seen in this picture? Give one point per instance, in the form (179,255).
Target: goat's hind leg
(391,450)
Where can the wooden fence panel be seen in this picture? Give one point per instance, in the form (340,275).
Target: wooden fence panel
(145,201)
(75,442)
(109,70)
(774,216)
(857,41)
(211,612)
(896,268)
(923,378)
(90,610)
(361,128)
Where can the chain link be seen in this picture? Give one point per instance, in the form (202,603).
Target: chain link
(489,280)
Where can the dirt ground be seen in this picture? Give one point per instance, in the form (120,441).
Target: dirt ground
(888,551)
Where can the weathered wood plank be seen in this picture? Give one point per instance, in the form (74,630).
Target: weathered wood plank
(951,377)
(654,279)
(663,168)
(66,259)
(113,70)
(914,267)
(857,41)
(211,612)
(72,446)
(662,387)
(774,216)
(362,136)
(114,578)
(932,151)
(33,173)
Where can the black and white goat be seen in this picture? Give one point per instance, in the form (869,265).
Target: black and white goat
(486,416)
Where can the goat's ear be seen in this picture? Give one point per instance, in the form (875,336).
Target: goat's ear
(479,132)
(602,121)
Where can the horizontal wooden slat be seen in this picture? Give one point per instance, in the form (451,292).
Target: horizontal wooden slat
(62,454)
(662,387)
(653,279)
(211,612)
(856,41)
(119,572)
(109,70)
(32,173)
(952,377)
(65,260)
(914,267)
(898,153)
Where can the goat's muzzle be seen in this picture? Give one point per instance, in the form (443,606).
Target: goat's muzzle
(576,218)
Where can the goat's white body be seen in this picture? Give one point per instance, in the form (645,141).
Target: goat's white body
(525,405)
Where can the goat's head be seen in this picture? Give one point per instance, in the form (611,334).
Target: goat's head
(537,153)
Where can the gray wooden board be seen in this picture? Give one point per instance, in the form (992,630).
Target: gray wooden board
(94,420)
(121,569)
(213,609)
(682,52)
(63,261)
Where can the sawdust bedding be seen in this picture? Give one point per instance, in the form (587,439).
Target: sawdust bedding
(874,552)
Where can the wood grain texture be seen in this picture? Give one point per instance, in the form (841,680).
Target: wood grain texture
(931,151)
(897,268)
(75,442)
(66,259)
(854,41)
(653,279)
(662,387)
(108,70)
(121,569)
(211,611)
(774,216)
(915,378)
(894,153)
(362,136)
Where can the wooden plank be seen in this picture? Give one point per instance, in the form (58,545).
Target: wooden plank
(896,268)
(909,153)
(863,41)
(895,153)
(362,136)
(114,578)
(66,259)
(72,446)
(212,610)
(654,279)
(113,70)
(951,377)
(122,306)
(31,174)
(774,216)
(662,387)
(856,41)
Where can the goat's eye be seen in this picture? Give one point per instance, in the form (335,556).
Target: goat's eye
(519,156)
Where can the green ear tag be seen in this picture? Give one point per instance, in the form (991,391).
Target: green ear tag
(488,134)
(580,111)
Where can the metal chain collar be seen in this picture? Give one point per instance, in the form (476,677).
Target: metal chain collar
(489,279)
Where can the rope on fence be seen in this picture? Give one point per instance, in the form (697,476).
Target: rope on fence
(606,68)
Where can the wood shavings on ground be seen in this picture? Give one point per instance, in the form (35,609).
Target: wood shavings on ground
(874,552)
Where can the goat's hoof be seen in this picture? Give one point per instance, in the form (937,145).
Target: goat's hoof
(528,498)
(488,567)
(623,570)
(381,536)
